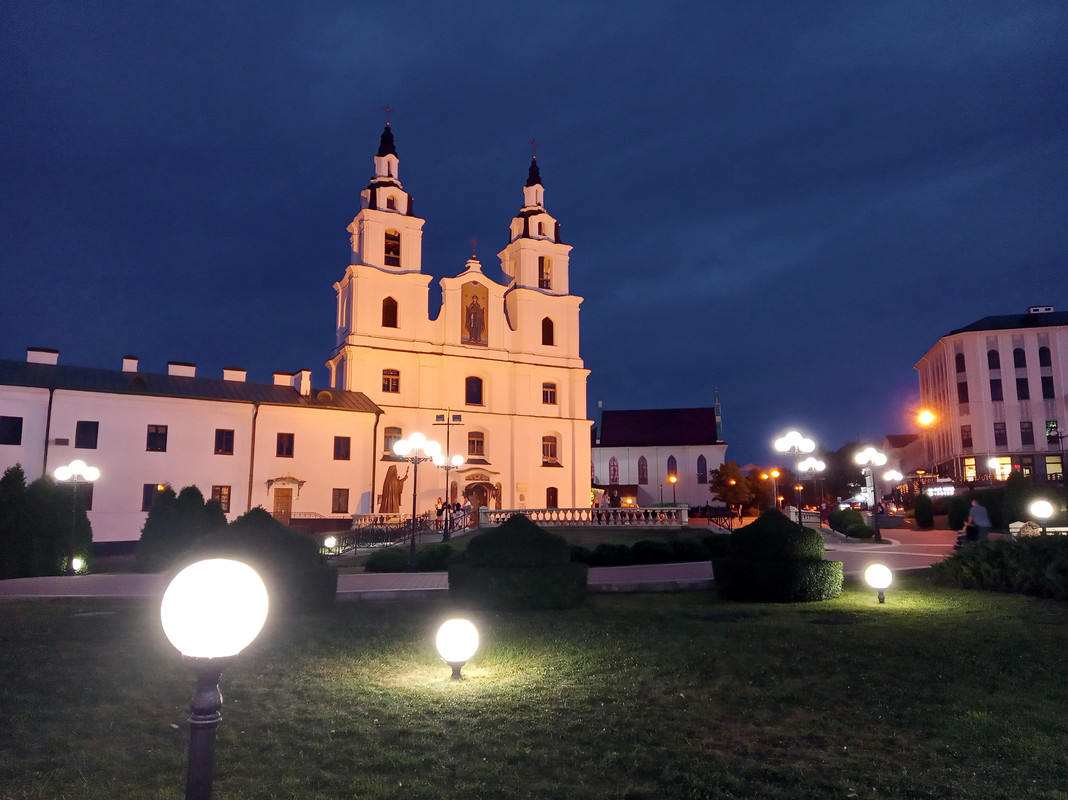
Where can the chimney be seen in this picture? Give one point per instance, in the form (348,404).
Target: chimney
(283,379)
(129,363)
(181,369)
(302,382)
(42,355)
(234,374)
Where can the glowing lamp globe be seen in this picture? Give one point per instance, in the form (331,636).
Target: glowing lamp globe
(402,447)
(457,641)
(77,563)
(214,608)
(1042,509)
(457,460)
(879,576)
(417,440)
(439,460)
(330,542)
(432,449)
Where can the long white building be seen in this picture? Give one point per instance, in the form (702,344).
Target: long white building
(498,362)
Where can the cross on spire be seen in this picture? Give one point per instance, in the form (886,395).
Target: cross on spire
(388,110)
(474,247)
(534,148)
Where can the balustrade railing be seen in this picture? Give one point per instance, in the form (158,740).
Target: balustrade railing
(670,517)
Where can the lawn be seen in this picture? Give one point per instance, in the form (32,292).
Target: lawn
(938,693)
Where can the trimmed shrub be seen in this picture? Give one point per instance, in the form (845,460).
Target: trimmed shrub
(518,565)
(174,527)
(774,536)
(433,557)
(958,510)
(860,531)
(580,554)
(717,544)
(650,551)
(689,550)
(842,519)
(48,517)
(923,508)
(16,542)
(388,559)
(1036,565)
(611,555)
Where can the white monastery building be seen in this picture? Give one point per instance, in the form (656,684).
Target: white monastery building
(999,391)
(494,376)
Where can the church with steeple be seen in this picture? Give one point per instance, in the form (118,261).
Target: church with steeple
(495,375)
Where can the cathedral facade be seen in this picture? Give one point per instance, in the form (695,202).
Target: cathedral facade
(495,376)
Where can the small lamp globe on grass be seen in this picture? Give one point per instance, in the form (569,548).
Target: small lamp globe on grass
(1043,510)
(879,576)
(211,611)
(457,641)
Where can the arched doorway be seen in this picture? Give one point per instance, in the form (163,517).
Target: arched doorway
(479,495)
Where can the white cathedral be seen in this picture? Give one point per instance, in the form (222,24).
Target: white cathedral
(494,376)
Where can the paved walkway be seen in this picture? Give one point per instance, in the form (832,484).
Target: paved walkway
(901,549)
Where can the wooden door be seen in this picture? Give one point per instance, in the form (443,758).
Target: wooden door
(283,505)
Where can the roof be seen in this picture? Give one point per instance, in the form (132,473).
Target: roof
(110,381)
(533,174)
(662,427)
(1007,322)
(385,144)
(901,439)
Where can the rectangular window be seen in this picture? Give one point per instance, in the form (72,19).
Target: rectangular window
(339,501)
(284,447)
(392,436)
(342,448)
(995,390)
(1047,387)
(1023,391)
(148,495)
(1001,438)
(10,430)
(157,439)
(962,392)
(966,436)
(476,444)
(1054,468)
(85,434)
(1027,466)
(473,391)
(391,380)
(969,469)
(224,442)
(548,394)
(221,495)
(1027,433)
(85,495)
(548,450)
(1052,434)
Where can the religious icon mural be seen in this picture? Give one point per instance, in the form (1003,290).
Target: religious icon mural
(475,300)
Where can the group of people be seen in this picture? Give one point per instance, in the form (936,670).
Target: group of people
(454,514)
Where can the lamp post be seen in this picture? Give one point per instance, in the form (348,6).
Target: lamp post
(793,443)
(210,612)
(673,479)
(926,418)
(442,460)
(408,449)
(774,475)
(869,458)
(75,473)
(1043,510)
(815,466)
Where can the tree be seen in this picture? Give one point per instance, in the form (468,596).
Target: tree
(15,541)
(174,525)
(49,508)
(730,485)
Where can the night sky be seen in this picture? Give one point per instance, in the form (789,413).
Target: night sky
(790,202)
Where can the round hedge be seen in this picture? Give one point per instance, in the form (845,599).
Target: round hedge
(767,581)
(511,588)
(774,537)
(517,543)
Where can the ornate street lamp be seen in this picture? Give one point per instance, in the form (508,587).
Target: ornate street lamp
(793,443)
(813,465)
(408,449)
(211,611)
(76,473)
(446,463)
(869,458)
(774,475)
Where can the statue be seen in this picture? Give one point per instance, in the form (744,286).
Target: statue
(475,322)
(392,486)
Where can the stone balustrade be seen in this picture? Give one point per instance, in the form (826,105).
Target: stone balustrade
(669,517)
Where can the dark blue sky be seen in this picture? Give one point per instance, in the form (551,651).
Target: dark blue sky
(788,201)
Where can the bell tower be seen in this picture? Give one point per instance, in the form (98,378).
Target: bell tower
(535,258)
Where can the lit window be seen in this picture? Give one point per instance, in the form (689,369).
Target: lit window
(393,249)
(342,448)
(1052,434)
(547,332)
(613,470)
(1054,468)
(548,394)
(391,380)
(156,441)
(284,445)
(339,501)
(392,436)
(224,442)
(548,450)
(473,391)
(476,444)
(85,434)
(221,495)
(389,313)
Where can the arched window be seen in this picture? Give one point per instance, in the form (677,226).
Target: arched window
(476,443)
(391,203)
(1044,359)
(643,471)
(672,467)
(613,470)
(1019,358)
(392,436)
(541,229)
(548,450)
(545,271)
(389,313)
(393,253)
(702,470)
(552,497)
(391,380)
(960,362)
(473,391)
(547,331)
(993,359)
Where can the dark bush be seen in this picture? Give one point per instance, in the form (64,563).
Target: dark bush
(689,550)
(433,557)
(611,555)
(777,581)
(773,536)
(580,554)
(924,511)
(841,519)
(957,511)
(174,527)
(860,531)
(48,516)
(518,542)
(16,541)
(1034,566)
(650,551)
(717,544)
(297,576)
(387,559)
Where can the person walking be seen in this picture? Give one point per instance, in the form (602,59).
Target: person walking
(980,518)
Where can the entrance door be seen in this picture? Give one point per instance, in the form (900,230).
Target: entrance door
(283,505)
(551,498)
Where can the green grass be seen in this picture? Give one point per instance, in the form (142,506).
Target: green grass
(939,693)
